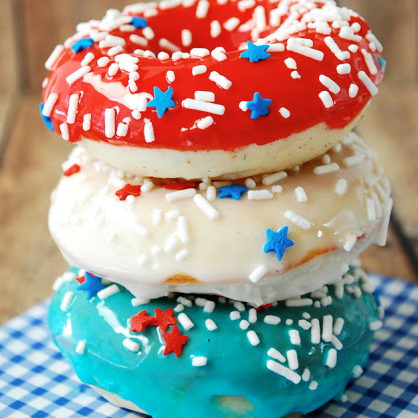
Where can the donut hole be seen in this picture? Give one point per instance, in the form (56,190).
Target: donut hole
(233,405)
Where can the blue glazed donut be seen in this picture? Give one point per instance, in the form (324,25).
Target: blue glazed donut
(236,361)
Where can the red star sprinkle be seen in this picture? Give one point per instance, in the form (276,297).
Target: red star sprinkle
(140,321)
(81,279)
(128,190)
(72,170)
(179,186)
(164,318)
(267,305)
(174,341)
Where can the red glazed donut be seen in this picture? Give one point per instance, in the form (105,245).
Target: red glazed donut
(225,108)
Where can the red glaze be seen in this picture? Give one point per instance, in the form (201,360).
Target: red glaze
(180,186)
(271,78)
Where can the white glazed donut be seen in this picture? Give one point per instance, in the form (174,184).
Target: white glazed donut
(260,86)
(193,241)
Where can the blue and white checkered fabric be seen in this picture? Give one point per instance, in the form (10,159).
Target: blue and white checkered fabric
(36,382)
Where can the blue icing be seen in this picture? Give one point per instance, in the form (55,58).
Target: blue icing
(167,386)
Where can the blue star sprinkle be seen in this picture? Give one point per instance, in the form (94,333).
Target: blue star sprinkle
(93,284)
(381,62)
(139,22)
(82,44)
(258,106)
(278,242)
(233,191)
(46,119)
(162,100)
(255,53)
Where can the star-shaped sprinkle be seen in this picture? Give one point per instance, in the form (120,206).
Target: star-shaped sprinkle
(162,100)
(82,44)
(278,242)
(140,321)
(164,318)
(75,168)
(128,190)
(47,120)
(92,284)
(174,341)
(233,191)
(255,53)
(180,186)
(381,62)
(258,106)
(80,279)
(139,22)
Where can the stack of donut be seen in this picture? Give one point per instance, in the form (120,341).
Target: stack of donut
(215,205)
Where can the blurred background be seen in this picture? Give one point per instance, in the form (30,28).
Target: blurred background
(31,156)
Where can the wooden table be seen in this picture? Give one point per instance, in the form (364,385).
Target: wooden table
(31,157)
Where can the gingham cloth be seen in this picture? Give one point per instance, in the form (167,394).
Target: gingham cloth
(36,382)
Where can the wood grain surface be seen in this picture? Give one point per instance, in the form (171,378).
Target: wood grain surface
(31,156)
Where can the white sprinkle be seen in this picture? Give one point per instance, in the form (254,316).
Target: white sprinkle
(376,325)
(331,85)
(244,324)
(180,194)
(276,47)
(289,321)
(338,326)
(202,9)
(87,122)
(341,186)
(371,209)
(66,300)
(306,375)
(209,306)
(205,122)
(103,61)
(72,108)
(204,106)
(215,29)
(239,306)
(112,41)
(290,63)
(300,194)
(258,273)
(260,18)
(231,24)
(353,48)
(250,183)
(326,169)
(252,316)
(284,112)
(277,189)
(220,80)
(297,303)
(315,331)
(76,75)
(327,328)
(368,83)
(131,345)
(186,37)
(357,371)
(199,361)
(156,216)
(81,347)
(110,122)
(108,291)
(148,131)
(283,371)
(313,385)
(253,338)
(272,320)
(276,354)
(204,96)
(353,90)
(335,49)
(64,131)
(172,214)
(294,337)
(210,325)
(259,194)
(171,244)
(185,321)
(234,315)
(370,37)
(53,57)
(304,324)
(292,359)
(211,193)
(206,207)
(179,308)
(350,242)
(331,360)
(182,230)
(295,75)
(148,33)
(199,69)
(344,69)
(182,254)
(142,260)
(166,44)
(219,54)
(113,69)
(297,220)
(303,50)
(243,106)
(170,76)
(347,32)
(49,104)
(114,51)
(273,178)
(326,99)
(122,129)
(336,342)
